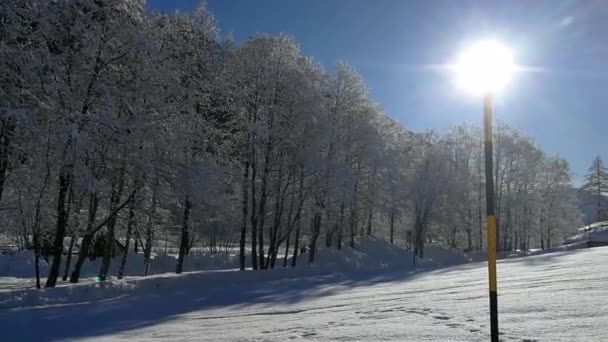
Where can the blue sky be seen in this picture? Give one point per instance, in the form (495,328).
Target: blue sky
(392,43)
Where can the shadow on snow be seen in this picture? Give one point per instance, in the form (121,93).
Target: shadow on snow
(135,311)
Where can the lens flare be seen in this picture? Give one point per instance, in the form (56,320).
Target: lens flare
(484,67)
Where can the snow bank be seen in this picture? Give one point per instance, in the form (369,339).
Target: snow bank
(566,247)
(20,265)
(369,255)
(194,262)
(78,293)
(443,256)
(163,263)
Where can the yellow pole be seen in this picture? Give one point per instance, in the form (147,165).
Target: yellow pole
(491,219)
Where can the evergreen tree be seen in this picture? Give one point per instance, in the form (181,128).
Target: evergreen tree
(596,183)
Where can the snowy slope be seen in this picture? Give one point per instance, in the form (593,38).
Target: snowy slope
(551,297)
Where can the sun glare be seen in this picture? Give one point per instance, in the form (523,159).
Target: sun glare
(484,67)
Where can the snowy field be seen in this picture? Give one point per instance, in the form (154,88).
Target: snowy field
(552,297)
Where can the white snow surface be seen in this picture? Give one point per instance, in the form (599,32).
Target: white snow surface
(557,296)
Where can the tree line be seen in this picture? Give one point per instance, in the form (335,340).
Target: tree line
(116,121)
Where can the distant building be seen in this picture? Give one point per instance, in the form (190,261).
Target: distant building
(595,235)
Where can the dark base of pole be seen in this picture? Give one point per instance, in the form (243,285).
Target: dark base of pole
(494,316)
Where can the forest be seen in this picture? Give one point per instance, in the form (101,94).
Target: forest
(117,122)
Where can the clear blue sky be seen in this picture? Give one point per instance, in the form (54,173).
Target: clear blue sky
(391,43)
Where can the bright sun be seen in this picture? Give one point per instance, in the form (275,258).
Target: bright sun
(484,67)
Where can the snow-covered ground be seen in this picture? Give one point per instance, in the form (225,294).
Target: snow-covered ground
(552,297)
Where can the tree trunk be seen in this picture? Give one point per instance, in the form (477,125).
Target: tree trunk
(498,232)
(109,247)
(329,237)
(65,181)
(507,225)
(329,233)
(419,232)
(316,227)
(273,244)
(469,231)
(149,233)
(286,249)
(22,242)
(542,243)
(353,217)
(297,220)
(599,192)
(74,231)
(296,245)
(7,132)
(125,254)
(36,239)
(370,215)
(542,235)
(262,209)
(36,225)
(454,231)
(244,205)
(66,272)
(392,226)
(254,217)
(82,255)
(185,237)
(289,229)
(340,226)
(524,227)
(416,233)
(86,239)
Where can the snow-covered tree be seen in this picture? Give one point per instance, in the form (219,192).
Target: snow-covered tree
(596,184)
(123,126)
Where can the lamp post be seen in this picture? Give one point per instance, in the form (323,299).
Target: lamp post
(483,69)
(490,218)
